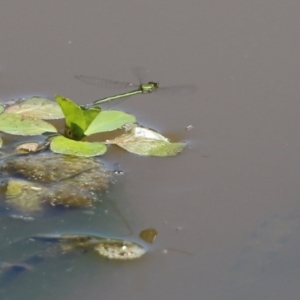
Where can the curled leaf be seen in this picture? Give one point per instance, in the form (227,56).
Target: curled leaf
(62,145)
(28,147)
(147,142)
(71,111)
(78,119)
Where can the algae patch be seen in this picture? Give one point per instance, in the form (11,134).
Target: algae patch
(50,179)
(23,195)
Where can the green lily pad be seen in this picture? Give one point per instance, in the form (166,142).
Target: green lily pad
(37,107)
(144,141)
(22,125)
(108,121)
(61,144)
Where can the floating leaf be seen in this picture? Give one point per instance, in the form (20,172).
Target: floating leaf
(144,141)
(63,145)
(108,121)
(28,147)
(77,118)
(21,125)
(37,107)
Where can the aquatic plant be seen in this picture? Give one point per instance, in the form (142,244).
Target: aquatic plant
(28,117)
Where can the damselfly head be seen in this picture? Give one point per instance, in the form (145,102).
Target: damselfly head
(149,87)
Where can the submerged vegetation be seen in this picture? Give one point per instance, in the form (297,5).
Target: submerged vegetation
(51,179)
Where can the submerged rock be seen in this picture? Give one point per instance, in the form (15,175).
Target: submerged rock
(66,245)
(119,249)
(47,178)
(110,248)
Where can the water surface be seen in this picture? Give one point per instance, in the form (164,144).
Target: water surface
(231,199)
